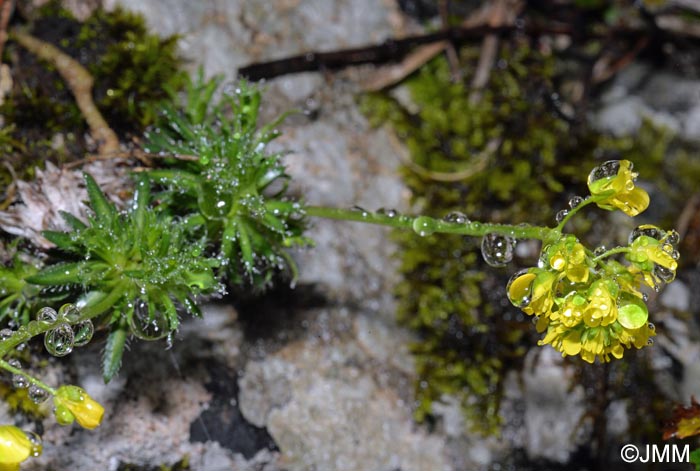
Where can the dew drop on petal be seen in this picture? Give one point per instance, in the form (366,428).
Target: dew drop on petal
(646,230)
(497,249)
(604,170)
(36,394)
(673,237)
(59,341)
(36,442)
(82,333)
(651,326)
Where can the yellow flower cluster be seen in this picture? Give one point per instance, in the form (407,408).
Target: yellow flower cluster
(16,446)
(591,305)
(594,307)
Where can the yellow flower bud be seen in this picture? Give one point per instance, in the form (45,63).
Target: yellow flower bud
(613,181)
(77,402)
(15,447)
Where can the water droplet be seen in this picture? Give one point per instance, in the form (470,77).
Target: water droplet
(5,334)
(664,273)
(391,213)
(604,170)
(645,297)
(650,342)
(36,442)
(457,217)
(575,201)
(646,230)
(651,326)
(37,395)
(673,237)
(59,341)
(145,323)
(561,215)
(497,249)
(18,381)
(362,211)
(519,288)
(424,226)
(69,312)
(82,333)
(46,314)
(599,251)
(675,255)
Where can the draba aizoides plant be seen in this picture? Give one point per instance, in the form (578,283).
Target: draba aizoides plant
(216,212)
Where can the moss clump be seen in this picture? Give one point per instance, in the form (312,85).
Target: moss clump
(133,71)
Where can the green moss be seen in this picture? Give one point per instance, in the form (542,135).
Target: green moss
(133,71)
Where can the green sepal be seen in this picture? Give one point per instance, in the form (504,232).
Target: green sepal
(114,349)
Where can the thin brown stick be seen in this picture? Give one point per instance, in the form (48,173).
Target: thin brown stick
(5,12)
(80,83)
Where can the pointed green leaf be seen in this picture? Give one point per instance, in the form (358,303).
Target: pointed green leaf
(103,209)
(75,223)
(59,274)
(61,239)
(114,349)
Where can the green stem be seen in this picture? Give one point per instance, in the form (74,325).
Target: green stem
(26,332)
(573,211)
(425,225)
(610,252)
(6,366)
(96,305)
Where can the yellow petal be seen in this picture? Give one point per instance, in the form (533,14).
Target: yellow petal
(15,447)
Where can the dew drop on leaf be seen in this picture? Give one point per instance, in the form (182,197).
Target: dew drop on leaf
(69,312)
(497,249)
(5,334)
(82,333)
(46,314)
(59,341)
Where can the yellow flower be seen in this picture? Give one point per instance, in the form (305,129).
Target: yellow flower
(531,291)
(73,403)
(569,257)
(15,447)
(613,182)
(654,258)
(571,311)
(602,304)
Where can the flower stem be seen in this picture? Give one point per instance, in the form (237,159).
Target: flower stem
(610,252)
(425,225)
(32,380)
(573,211)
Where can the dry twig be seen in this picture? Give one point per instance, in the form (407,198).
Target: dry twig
(80,83)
